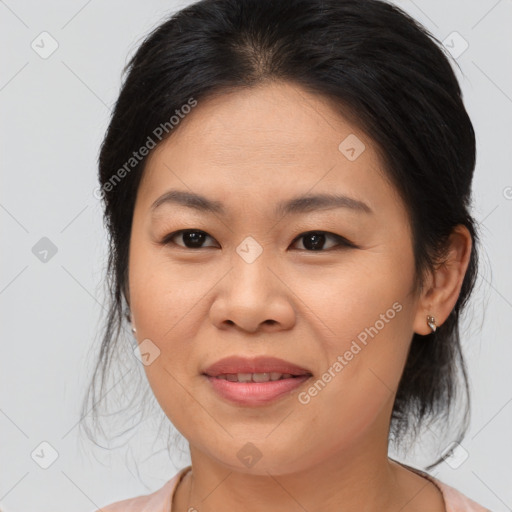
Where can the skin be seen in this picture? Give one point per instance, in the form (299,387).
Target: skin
(250,150)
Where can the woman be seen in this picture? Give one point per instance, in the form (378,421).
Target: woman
(287,188)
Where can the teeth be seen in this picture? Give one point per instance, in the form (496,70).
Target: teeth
(254,377)
(260,377)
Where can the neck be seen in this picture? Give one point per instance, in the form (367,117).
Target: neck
(345,481)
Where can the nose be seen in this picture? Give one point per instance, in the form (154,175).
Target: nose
(253,297)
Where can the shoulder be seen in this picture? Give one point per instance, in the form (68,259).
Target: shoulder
(455,501)
(157,501)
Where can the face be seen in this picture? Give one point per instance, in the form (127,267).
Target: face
(326,286)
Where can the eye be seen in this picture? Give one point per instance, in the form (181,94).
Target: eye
(315,240)
(191,238)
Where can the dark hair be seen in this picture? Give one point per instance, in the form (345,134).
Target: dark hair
(384,71)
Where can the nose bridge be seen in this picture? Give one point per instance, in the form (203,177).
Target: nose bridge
(250,273)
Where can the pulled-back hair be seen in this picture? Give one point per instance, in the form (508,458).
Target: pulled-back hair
(384,72)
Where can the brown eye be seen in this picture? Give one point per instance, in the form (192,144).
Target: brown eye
(190,238)
(317,241)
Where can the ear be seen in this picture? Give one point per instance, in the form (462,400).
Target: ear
(442,289)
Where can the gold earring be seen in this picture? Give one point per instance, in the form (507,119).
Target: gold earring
(431,321)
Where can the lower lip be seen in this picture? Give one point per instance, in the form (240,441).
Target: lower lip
(255,393)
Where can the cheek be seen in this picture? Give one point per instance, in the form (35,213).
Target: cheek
(353,296)
(166,301)
(369,314)
(164,293)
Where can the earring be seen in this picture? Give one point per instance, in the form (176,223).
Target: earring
(431,321)
(129,318)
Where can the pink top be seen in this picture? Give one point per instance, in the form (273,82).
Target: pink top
(160,500)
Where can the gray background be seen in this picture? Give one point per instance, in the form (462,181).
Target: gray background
(54,112)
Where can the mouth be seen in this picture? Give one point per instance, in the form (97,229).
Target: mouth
(252,382)
(266,368)
(255,377)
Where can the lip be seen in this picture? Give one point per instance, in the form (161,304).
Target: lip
(255,393)
(262,364)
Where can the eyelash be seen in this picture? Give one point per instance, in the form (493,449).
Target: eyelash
(342,242)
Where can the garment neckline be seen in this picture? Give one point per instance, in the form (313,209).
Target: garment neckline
(419,472)
(179,477)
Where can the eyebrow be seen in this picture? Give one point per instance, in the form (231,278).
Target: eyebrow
(299,204)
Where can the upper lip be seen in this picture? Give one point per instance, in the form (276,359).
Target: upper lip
(236,364)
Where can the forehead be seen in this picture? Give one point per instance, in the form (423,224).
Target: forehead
(271,140)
